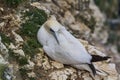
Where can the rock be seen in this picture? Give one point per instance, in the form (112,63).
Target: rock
(31,75)
(81,29)
(97,14)
(38,60)
(17,50)
(118,67)
(8,73)
(68,18)
(42,61)
(100,19)
(12,46)
(62,74)
(71,1)
(109,69)
(30,65)
(1,9)
(57,65)
(78,26)
(18,38)
(48,0)
(106,69)
(67,13)
(2,24)
(46,64)
(62,4)
(40,6)
(86,77)
(91,49)
(14,20)
(8,69)
(2,61)
(3,50)
(102,33)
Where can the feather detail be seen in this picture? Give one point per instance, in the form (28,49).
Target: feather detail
(96,58)
(92,68)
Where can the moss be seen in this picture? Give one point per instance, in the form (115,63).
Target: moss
(36,16)
(23,61)
(13,3)
(12,54)
(2,69)
(31,78)
(23,72)
(30,47)
(20,60)
(110,7)
(91,24)
(29,30)
(6,40)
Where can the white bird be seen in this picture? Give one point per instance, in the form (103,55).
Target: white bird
(61,46)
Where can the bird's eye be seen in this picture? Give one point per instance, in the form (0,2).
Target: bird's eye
(51,30)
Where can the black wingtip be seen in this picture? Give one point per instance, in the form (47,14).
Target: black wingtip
(96,58)
(92,68)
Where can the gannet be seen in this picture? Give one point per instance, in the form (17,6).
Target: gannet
(62,46)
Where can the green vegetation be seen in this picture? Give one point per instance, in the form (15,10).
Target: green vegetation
(32,78)
(21,60)
(6,40)
(30,47)
(110,7)
(14,3)
(29,30)
(12,54)
(91,24)
(23,72)
(36,16)
(2,69)
(30,27)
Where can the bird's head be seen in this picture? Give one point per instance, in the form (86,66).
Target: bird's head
(52,26)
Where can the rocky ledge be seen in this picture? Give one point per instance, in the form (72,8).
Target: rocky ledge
(22,57)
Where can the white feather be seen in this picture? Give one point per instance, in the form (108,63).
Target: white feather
(68,51)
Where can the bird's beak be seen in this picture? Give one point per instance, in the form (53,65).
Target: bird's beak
(54,34)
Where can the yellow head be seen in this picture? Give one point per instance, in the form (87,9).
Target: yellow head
(52,26)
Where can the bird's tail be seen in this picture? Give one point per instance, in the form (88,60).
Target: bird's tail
(92,68)
(96,58)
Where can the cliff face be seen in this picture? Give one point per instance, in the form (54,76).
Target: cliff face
(22,57)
